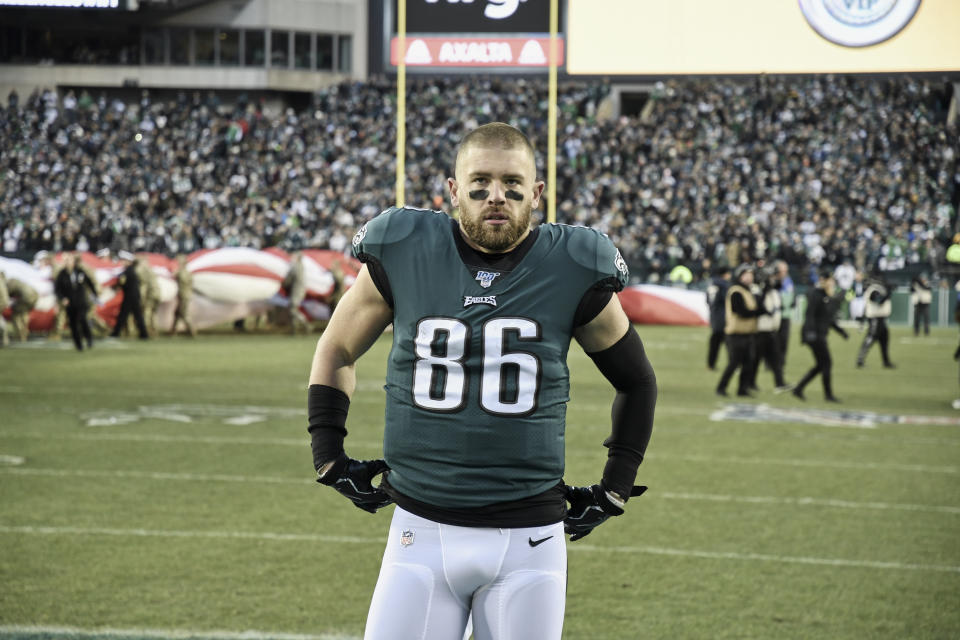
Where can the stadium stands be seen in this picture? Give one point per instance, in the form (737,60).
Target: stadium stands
(810,169)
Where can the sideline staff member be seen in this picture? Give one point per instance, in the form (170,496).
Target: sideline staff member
(787,297)
(768,332)
(878,309)
(73,287)
(131,303)
(483,310)
(742,311)
(819,319)
(921,294)
(716,301)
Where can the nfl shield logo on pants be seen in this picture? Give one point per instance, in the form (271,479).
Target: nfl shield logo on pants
(406,538)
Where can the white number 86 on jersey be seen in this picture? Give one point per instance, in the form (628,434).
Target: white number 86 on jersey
(509,382)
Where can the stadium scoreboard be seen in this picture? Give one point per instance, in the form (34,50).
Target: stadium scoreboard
(478,16)
(499,36)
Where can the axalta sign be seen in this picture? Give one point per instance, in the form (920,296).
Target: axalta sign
(476,52)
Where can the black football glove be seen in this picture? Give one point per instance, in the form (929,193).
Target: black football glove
(352,478)
(589,508)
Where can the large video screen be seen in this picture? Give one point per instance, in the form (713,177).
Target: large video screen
(492,35)
(477,16)
(642,38)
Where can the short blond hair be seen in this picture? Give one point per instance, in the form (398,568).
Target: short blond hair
(495,135)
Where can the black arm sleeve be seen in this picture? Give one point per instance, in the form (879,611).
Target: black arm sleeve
(591,304)
(327,414)
(379,276)
(626,366)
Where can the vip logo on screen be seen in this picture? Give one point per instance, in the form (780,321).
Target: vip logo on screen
(858,23)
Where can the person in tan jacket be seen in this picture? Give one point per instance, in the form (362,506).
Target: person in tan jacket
(184,296)
(149,293)
(742,310)
(295,284)
(23,298)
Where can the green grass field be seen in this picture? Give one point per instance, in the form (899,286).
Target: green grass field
(164,489)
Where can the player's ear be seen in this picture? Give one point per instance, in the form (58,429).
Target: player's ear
(537,192)
(454,189)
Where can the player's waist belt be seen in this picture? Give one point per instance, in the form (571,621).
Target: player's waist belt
(539,510)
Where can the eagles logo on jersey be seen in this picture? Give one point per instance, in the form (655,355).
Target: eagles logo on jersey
(621,264)
(359,236)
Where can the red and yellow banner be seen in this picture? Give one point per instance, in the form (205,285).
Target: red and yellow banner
(452,51)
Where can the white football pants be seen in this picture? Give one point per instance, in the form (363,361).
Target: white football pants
(514,581)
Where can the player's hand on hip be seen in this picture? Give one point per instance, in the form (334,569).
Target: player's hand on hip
(354,479)
(590,507)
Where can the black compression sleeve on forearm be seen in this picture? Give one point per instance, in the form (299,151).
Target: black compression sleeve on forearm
(626,366)
(327,415)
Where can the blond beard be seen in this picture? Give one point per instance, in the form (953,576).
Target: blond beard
(496,239)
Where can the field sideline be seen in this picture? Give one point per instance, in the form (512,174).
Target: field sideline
(163,489)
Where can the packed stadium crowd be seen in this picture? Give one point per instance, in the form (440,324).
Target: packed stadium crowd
(816,171)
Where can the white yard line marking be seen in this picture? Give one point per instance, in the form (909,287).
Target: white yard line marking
(154,437)
(805,434)
(928,340)
(805,502)
(63,345)
(154,475)
(172,533)
(763,557)
(835,464)
(308,537)
(669,495)
(25,631)
(874,436)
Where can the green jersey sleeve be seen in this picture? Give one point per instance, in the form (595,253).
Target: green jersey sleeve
(595,251)
(389,227)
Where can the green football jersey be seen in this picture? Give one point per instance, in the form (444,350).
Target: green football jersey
(477,381)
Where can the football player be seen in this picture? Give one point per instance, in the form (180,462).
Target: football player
(483,310)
